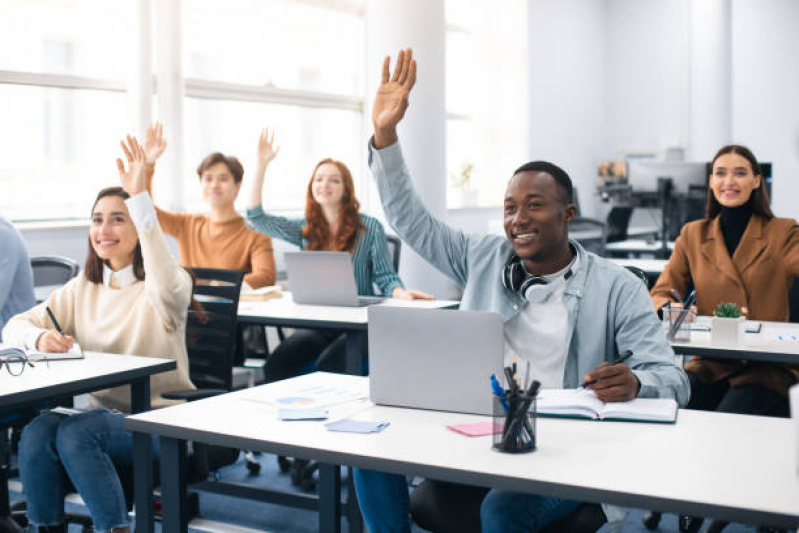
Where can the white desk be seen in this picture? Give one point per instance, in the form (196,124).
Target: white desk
(637,247)
(56,379)
(653,267)
(756,346)
(694,467)
(353,320)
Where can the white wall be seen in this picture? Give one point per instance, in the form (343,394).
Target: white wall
(645,76)
(765,91)
(566,98)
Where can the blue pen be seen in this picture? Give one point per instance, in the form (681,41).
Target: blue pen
(498,391)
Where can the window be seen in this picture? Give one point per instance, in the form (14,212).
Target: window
(63,103)
(486,99)
(300,71)
(305,136)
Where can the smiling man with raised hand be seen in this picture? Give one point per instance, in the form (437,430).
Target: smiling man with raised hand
(567,314)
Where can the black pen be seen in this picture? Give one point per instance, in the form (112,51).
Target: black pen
(55,322)
(623,356)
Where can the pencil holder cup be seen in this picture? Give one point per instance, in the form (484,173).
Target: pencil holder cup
(671,318)
(514,423)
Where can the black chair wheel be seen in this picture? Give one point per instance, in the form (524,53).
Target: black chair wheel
(716,526)
(690,524)
(284,463)
(254,467)
(651,520)
(308,484)
(297,471)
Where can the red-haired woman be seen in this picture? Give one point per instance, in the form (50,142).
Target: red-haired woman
(332,223)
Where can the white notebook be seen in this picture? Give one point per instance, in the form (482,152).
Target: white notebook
(582,403)
(33,355)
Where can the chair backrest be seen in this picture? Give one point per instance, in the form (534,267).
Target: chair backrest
(211,333)
(394,248)
(53,270)
(640,273)
(793,301)
(618,221)
(589,232)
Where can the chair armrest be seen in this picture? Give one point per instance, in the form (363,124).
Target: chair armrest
(192,395)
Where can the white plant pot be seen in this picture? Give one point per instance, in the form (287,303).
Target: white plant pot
(466,197)
(727,331)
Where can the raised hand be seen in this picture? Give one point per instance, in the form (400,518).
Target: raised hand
(133,180)
(154,142)
(267,150)
(391,99)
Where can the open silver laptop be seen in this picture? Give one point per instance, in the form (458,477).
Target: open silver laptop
(433,358)
(324,278)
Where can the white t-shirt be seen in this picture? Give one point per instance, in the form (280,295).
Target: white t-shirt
(537,336)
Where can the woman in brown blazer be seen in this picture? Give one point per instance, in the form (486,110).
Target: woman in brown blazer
(740,252)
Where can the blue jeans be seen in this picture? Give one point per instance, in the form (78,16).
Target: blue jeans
(385,503)
(517,512)
(84,449)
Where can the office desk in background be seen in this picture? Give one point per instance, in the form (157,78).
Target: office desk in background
(636,247)
(58,379)
(353,320)
(761,346)
(683,468)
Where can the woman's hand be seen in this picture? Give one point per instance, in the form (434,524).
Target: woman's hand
(132,180)
(52,341)
(154,142)
(410,294)
(267,150)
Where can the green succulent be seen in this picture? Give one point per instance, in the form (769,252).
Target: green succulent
(727,310)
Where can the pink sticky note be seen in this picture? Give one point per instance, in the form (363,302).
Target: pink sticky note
(476,429)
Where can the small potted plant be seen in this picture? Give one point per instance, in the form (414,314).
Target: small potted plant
(727,324)
(462,186)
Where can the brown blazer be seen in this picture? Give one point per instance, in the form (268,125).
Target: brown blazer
(758,276)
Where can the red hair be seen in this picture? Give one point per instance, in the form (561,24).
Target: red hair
(317,231)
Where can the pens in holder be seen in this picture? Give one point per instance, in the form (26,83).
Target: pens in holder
(517,435)
(689,302)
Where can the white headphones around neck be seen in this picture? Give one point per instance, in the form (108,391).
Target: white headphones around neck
(536,289)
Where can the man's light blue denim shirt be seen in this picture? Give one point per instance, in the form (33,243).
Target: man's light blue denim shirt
(610,310)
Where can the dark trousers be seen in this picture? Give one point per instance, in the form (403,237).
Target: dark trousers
(294,356)
(745,400)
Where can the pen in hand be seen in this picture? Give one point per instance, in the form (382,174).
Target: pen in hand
(55,322)
(622,357)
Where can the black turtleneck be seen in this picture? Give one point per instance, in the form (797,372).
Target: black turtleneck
(733,222)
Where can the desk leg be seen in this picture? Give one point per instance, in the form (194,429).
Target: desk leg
(143,460)
(143,482)
(357,348)
(173,486)
(140,395)
(7,524)
(329,498)
(354,518)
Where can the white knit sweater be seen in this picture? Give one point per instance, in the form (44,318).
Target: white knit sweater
(147,318)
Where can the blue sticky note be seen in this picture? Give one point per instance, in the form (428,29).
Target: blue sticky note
(356,426)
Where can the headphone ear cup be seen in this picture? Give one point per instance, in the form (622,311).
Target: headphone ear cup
(516,275)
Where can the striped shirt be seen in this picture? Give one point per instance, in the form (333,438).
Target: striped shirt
(371,262)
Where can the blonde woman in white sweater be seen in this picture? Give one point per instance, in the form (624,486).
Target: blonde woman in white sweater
(112,307)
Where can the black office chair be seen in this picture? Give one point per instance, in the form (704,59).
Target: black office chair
(53,270)
(618,221)
(394,248)
(596,234)
(640,274)
(443,507)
